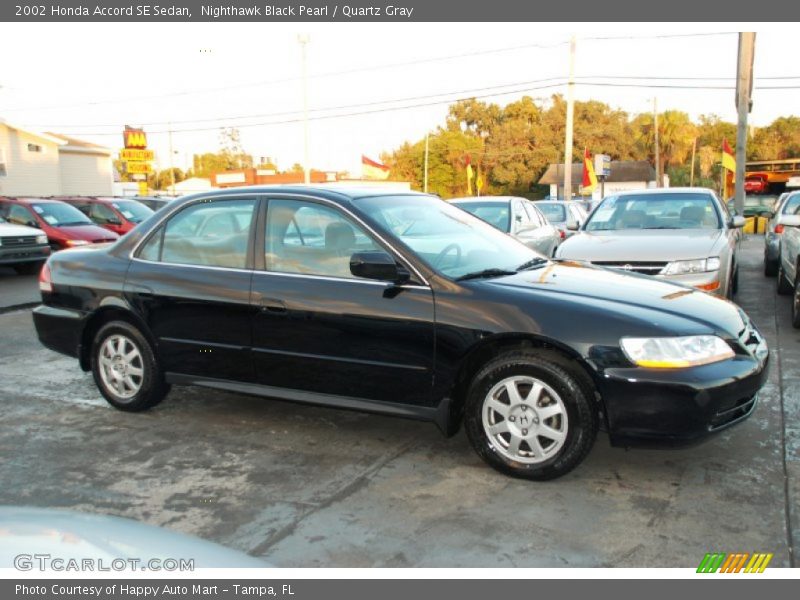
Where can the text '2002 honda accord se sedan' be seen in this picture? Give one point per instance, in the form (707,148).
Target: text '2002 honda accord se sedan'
(331,298)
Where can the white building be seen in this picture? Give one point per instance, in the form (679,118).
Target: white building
(46,164)
(86,169)
(625,175)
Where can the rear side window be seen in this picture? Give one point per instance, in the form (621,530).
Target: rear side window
(792,206)
(214,234)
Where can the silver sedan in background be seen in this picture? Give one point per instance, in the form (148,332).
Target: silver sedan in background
(567,215)
(787,205)
(685,235)
(517,217)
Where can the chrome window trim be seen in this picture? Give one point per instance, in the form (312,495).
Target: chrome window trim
(278,195)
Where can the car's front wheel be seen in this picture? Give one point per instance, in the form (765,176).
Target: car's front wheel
(125,368)
(784,286)
(529,417)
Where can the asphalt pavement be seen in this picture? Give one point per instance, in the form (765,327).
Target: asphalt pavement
(17,290)
(308,486)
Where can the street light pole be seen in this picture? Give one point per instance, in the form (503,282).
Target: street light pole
(304,38)
(570,119)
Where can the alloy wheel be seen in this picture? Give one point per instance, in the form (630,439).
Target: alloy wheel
(121,366)
(524,419)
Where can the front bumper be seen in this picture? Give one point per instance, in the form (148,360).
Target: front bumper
(23,254)
(59,329)
(659,407)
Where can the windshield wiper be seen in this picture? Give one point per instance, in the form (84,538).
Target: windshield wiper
(534,263)
(486,273)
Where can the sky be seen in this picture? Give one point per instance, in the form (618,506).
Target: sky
(90,79)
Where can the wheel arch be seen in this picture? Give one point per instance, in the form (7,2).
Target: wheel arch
(111,310)
(490,347)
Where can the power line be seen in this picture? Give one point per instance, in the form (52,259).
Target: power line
(355,70)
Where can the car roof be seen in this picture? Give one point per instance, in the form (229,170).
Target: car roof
(485,199)
(31,200)
(341,195)
(670,190)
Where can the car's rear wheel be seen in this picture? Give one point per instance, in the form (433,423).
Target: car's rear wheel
(125,368)
(796,304)
(529,417)
(784,285)
(770,266)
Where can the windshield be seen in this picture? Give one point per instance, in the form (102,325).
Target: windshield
(497,214)
(135,212)
(59,214)
(655,211)
(446,238)
(555,213)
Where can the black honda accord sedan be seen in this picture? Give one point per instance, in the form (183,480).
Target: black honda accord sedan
(401,304)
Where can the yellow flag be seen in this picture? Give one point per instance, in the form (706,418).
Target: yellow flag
(470,175)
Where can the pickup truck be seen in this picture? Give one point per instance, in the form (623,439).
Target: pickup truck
(21,247)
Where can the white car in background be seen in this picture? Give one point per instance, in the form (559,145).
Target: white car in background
(684,235)
(789,262)
(23,248)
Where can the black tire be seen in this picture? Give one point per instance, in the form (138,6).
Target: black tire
(582,414)
(151,385)
(796,304)
(31,268)
(770,267)
(784,287)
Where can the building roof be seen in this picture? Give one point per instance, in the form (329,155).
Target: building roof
(44,136)
(71,144)
(621,170)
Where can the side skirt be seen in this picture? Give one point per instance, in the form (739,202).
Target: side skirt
(440,415)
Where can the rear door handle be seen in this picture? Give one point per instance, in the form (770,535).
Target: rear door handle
(273,305)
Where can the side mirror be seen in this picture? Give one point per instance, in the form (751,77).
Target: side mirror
(738,221)
(573,226)
(32,224)
(377,265)
(790,220)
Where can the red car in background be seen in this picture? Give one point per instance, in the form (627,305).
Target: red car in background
(756,184)
(119,215)
(65,225)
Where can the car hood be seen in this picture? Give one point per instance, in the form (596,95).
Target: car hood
(11,230)
(631,295)
(662,245)
(87,232)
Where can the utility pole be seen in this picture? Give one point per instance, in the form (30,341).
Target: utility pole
(425,183)
(694,151)
(171,167)
(744,103)
(570,119)
(304,38)
(658,149)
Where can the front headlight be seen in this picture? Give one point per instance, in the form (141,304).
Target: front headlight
(676,352)
(41,239)
(682,267)
(73,243)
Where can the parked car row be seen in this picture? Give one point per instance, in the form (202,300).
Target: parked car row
(33,227)
(402,304)
(782,250)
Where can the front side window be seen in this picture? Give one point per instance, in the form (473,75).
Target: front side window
(211,233)
(102,214)
(655,211)
(447,239)
(313,239)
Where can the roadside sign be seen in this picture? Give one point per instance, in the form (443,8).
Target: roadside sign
(136,154)
(134,138)
(602,165)
(139,167)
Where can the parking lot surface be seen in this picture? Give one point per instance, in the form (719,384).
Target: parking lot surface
(17,290)
(307,486)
